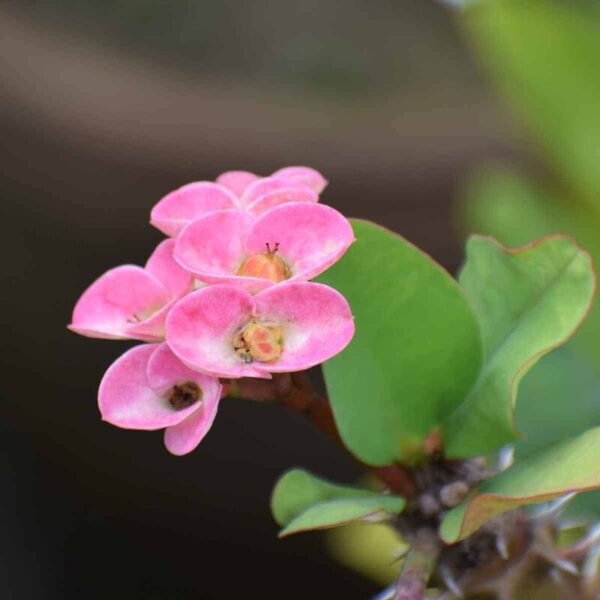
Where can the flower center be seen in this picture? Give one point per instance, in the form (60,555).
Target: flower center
(184,394)
(259,341)
(267,265)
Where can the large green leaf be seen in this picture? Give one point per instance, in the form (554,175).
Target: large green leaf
(302,502)
(500,202)
(416,352)
(543,55)
(570,466)
(529,301)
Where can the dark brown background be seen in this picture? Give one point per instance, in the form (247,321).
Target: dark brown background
(105,107)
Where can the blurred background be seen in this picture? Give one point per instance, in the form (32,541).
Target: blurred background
(426,120)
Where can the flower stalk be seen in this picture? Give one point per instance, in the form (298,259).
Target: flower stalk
(295,392)
(418,566)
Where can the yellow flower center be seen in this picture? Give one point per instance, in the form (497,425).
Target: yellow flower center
(262,342)
(267,265)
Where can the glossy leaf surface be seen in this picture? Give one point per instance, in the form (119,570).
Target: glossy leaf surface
(302,502)
(416,351)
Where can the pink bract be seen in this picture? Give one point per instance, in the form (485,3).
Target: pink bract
(131,301)
(315,319)
(235,189)
(175,210)
(309,238)
(313,179)
(134,394)
(238,181)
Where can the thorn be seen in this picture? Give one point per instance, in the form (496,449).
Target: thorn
(562,563)
(551,510)
(590,540)
(386,594)
(506,457)
(502,547)
(449,581)
(591,565)
(556,575)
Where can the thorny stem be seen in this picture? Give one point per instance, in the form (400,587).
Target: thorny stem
(418,566)
(495,562)
(296,392)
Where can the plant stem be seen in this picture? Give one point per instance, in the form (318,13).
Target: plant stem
(296,392)
(418,566)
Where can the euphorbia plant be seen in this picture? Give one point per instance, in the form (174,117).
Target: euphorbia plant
(422,373)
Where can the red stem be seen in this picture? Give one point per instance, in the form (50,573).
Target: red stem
(296,392)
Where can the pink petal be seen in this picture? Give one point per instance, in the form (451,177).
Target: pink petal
(269,185)
(165,370)
(316,319)
(311,237)
(212,248)
(189,202)
(163,266)
(309,177)
(184,437)
(276,197)
(237,181)
(151,329)
(126,399)
(201,328)
(178,281)
(116,301)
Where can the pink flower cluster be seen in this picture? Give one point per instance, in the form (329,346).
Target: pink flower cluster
(227,295)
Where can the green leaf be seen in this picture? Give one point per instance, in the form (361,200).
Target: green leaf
(558,399)
(529,301)
(501,203)
(416,352)
(543,55)
(570,466)
(302,502)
